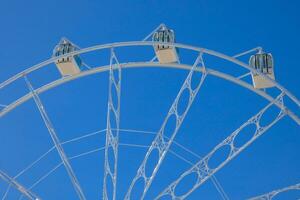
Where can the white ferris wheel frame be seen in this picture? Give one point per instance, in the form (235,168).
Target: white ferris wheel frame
(277,101)
(100,69)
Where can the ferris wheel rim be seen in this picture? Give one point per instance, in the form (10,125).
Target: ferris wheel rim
(151,43)
(131,65)
(94,70)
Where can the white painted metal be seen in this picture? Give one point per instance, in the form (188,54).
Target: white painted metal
(112,130)
(271,195)
(152,32)
(159,142)
(134,131)
(228,77)
(256,49)
(149,43)
(18,186)
(101,69)
(202,169)
(55,140)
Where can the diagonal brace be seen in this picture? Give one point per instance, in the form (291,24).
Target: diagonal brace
(56,141)
(18,186)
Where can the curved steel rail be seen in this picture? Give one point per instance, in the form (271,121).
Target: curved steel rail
(149,43)
(100,69)
(143,65)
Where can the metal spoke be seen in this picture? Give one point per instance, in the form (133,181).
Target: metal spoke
(52,148)
(112,130)
(244,75)
(60,164)
(86,65)
(202,169)
(18,186)
(213,178)
(159,142)
(153,59)
(55,140)
(271,195)
(256,49)
(150,34)
(163,141)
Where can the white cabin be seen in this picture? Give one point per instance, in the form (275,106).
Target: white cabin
(263,62)
(165,53)
(67,65)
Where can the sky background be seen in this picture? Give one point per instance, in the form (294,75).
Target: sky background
(30,30)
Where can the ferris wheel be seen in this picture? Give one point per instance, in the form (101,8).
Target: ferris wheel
(257,76)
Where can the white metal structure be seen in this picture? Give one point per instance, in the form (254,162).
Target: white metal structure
(161,142)
(18,186)
(112,130)
(271,195)
(202,169)
(56,141)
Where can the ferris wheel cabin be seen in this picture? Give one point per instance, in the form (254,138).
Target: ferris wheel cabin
(67,65)
(165,53)
(263,62)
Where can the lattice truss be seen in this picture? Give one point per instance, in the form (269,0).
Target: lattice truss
(202,169)
(112,131)
(271,195)
(56,141)
(160,143)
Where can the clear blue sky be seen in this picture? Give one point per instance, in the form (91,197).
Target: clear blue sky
(30,30)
